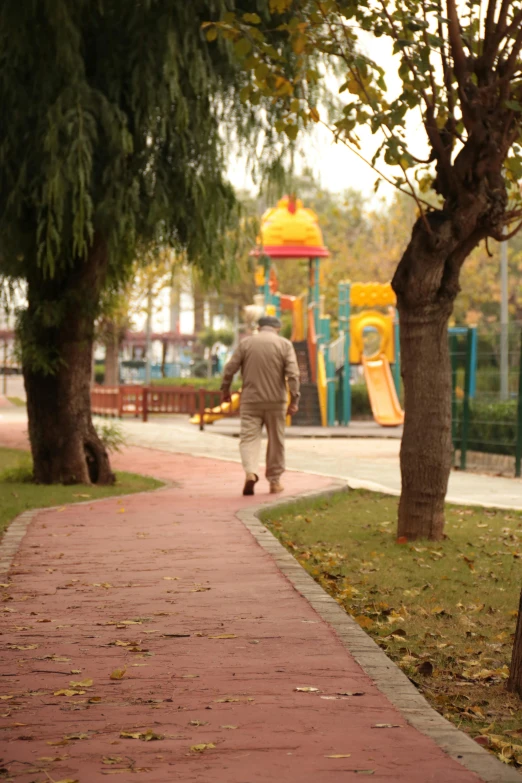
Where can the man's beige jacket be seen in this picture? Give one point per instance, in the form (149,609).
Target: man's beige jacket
(267,362)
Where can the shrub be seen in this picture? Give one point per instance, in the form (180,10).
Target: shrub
(492,427)
(111,436)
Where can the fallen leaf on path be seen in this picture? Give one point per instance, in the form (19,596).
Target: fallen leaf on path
(229,727)
(175,635)
(68,692)
(82,684)
(364,622)
(224,636)
(80,496)
(6,698)
(307,689)
(22,646)
(144,736)
(202,747)
(53,758)
(118,674)
(386,726)
(189,676)
(171,578)
(200,589)
(67,780)
(339,756)
(351,693)
(77,736)
(112,759)
(198,723)
(57,742)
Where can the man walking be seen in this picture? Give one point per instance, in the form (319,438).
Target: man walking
(267,362)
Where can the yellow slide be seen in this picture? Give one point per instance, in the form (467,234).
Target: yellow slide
(385,404)
(219,412)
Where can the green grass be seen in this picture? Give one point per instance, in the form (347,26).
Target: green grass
(444,612)
(18,494)
(17,401)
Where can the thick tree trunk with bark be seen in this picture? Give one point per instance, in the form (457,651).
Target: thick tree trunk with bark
(426,448)
(426,283)
(112,352)
(515,672)
(57,352)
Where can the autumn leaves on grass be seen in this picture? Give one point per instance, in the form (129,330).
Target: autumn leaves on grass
(444,612)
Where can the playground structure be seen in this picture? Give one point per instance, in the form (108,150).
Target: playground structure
(290,231)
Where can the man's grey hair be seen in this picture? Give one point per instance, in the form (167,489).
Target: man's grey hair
(269,320)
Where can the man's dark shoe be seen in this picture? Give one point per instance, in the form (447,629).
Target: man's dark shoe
(250,481)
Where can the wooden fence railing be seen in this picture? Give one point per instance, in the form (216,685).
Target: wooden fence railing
(143,401)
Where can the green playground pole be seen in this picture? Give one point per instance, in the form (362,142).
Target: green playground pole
(397,346)
(344,328)
(316,293)
(454,408)
(518,448)
(465,409)
(266,288)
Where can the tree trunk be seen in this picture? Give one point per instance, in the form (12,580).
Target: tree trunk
(57,353)
(426,449)
(112,358)
(426,283)
(515,672)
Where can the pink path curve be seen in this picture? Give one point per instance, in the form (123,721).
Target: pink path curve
(214,641)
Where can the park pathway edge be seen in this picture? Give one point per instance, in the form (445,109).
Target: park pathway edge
(15,531)
(387,676)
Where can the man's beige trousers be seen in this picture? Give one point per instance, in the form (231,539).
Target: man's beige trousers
(253,416)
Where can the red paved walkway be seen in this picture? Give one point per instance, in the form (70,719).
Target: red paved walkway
(214,641)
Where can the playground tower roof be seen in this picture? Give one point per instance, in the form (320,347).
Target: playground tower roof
(290,231)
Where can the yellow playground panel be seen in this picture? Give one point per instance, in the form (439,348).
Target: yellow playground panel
(377,373)
(384,325)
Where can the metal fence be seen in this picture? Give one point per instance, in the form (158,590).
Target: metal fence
(487,398)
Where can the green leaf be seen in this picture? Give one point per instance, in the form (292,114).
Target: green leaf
(515,105)
(242,47)
(291,131)
(211,34)
(252,18)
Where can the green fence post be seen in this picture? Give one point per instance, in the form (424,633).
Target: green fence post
(344,326)
(465,407)
(518,448)
(397,345)
(453,353)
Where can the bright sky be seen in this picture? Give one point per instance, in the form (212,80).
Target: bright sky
(335,166)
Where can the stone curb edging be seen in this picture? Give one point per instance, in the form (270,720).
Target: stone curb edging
(387,676)
(17,528)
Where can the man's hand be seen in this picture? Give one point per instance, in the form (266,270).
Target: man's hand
(226,397)
(292,409)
